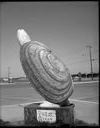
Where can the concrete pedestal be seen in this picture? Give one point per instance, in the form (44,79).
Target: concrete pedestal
(34,115)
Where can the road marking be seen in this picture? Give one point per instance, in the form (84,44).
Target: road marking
(86,82)
(23,104)
(84,101)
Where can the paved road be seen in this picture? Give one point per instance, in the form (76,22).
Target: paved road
(23,92)
(85,98)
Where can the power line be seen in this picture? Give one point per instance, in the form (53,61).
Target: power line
(81,61)
(78,62)
(9,74)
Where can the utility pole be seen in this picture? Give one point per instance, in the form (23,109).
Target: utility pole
(89,46)
(9,74)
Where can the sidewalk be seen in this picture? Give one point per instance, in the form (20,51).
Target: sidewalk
(86,111)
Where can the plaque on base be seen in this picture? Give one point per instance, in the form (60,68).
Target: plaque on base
(34,115)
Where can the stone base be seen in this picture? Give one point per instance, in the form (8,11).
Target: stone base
(34,115)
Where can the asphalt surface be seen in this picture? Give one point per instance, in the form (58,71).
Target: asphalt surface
(14,97)
(21,92)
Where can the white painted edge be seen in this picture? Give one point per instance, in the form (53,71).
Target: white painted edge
(85,82)
(84,101)
(22,105)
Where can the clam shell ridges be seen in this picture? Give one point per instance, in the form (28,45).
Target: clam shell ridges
(46,72)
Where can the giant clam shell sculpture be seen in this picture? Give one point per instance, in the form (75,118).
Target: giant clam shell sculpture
(44,69)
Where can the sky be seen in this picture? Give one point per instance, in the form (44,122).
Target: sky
(65,27)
